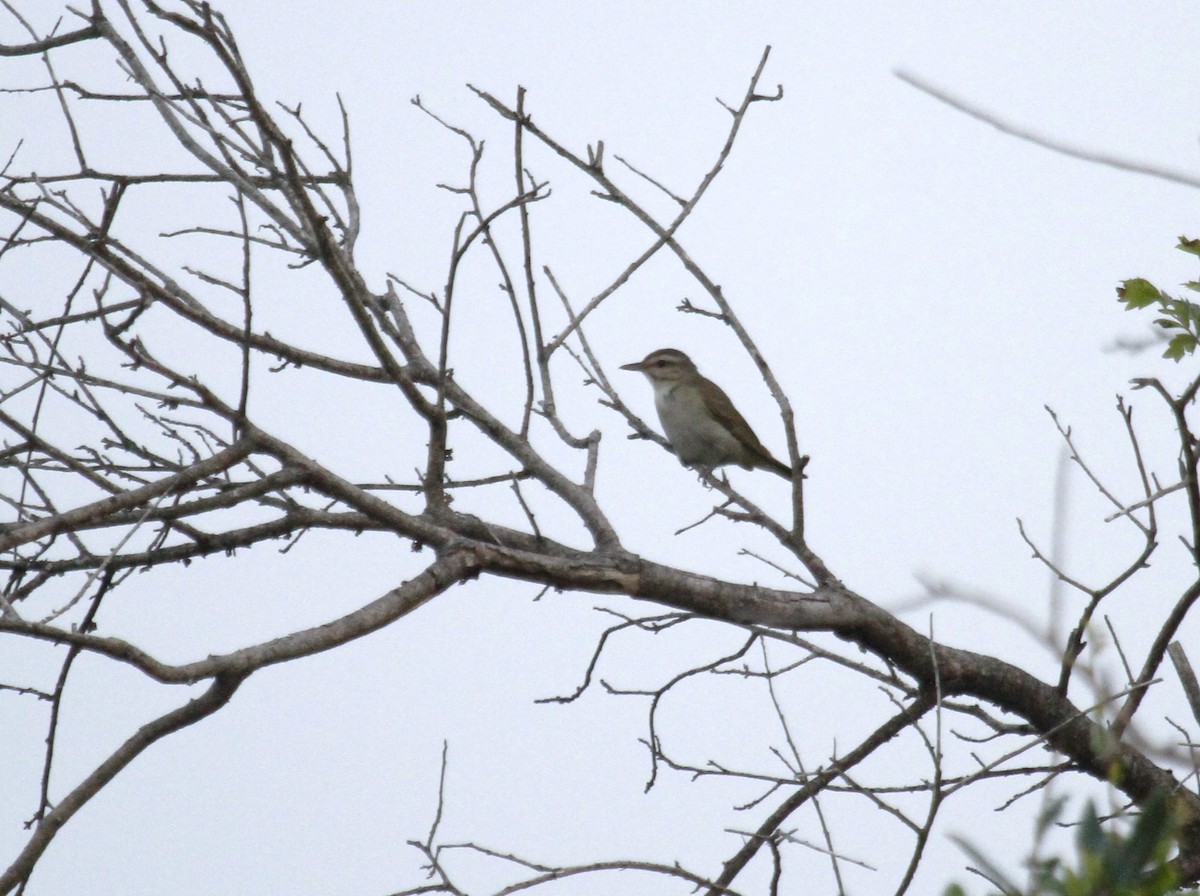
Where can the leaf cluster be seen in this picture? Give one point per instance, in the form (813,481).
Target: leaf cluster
(1132,861)
(1180,318)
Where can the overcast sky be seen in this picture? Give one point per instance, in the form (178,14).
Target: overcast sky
(921,284)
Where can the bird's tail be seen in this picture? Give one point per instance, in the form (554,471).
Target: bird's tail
(779,468)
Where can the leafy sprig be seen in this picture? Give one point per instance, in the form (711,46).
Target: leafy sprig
(1180,318)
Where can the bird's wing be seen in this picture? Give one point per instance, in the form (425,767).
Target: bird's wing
(723,409)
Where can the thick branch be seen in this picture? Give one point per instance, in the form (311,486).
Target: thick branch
(50,43)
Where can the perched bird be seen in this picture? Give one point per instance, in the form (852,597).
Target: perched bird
(700,421)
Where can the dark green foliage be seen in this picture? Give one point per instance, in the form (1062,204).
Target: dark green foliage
(1112,859)
(1180,317)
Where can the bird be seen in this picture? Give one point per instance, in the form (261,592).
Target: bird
(704,428)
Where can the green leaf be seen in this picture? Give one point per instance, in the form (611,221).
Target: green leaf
(1050,815)
(1183,344)
(1114,857)
(1138,293)
(1189,245)
(1090,835)
(1193,285)
(1152,828)
(989,869)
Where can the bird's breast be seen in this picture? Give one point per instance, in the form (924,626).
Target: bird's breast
(691,429)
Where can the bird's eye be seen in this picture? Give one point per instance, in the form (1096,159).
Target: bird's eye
(660,363)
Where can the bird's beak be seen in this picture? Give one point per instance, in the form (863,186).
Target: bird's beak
(636,365)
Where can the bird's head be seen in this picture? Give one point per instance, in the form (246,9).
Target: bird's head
(667,365)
